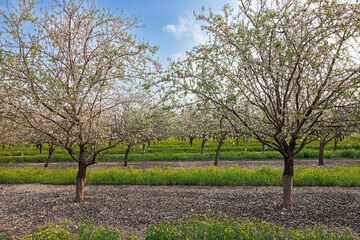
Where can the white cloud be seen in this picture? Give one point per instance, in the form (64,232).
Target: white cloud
(186,28)
(179,56)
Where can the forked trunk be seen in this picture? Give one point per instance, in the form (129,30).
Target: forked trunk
(203,145)
(51,151)
(80,182)
(321,153)
(287,181)
(126,155)
(221,142)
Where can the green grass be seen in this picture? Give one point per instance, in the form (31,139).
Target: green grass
(212,176)
(192,226)
(175,150)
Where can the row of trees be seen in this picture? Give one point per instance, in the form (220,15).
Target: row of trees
(75,68)
(283,72)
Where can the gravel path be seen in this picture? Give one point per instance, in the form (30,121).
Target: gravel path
(24,208)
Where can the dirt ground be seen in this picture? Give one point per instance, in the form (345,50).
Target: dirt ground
(24,208)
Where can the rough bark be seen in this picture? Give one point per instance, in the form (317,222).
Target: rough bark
(80,181)
(143,148)
(321,152)
(40,149)
(287,180)
(191,141)
(126,155)
(335,143)
(221,142)
(51,151)
(287,187)
(203,145)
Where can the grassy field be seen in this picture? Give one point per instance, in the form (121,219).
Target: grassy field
(191,226)
(213,176)
(172,149)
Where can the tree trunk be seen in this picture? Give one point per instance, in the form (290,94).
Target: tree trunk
(321,152)
(191,142)
(149,144)
(216,162)
(263,148)
(80,181)
(237,142)
(203,145)
(143,149)
(126,155)
(335,143)
(40,149)
(3,147)
(287,181)
(51,151)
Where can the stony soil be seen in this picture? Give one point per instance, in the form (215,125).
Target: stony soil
(24,208)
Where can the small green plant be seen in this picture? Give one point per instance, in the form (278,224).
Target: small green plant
(52,232)
(5,235)
(88,231)
(194,226)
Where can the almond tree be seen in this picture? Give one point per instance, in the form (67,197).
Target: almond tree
(222,130)
(68,65)
(276,67)
(135,121)
(334,123)
(186,124)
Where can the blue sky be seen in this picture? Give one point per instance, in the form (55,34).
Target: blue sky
(169,24)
